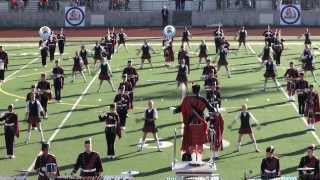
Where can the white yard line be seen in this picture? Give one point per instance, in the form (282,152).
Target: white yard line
(292,103)
(63,121)
(20,69)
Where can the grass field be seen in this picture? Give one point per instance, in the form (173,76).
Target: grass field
(280,125)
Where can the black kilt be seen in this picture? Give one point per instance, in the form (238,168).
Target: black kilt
(85,61)
(269,75)
(149,127)
(222,62)
(1,74)
(308,41)
(77,68)
(146,56)
(203,55)
(104,76)
(245,131)
(182,78)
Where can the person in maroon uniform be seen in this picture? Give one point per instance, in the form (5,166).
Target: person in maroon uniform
(61,38)
(216,128)
(112,129)
(308,61)
(127,89)
(183,54)
(44,89)
(122,38)
(32,91)
(182,75)
(89,162)
(150,116)
(132,74)
(218,35)
(11,129)
(168,52)
(43,46)
(270,165)
(270,73)
(4,57)
(84,56)
(312,107)
(46,164)
(223,59)
(97,53)
(209,68)
(33,112)
(122,101)
(52,47)
(105,74)
(291,76)
(145,51)
(246,119)
(242,37)
(186,36)
(301,88)
(311,162)
(202,52)
(77,67)
(58,80)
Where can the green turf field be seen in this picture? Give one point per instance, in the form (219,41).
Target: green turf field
(280,125)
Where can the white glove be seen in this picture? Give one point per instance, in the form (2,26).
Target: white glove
(171,109)
(44,169)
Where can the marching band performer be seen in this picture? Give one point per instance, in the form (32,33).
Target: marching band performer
(312,107)
(270,165)
(183,54)
(214,97)
(270,73)
(4,57)
(203,52)
(122,101)
(109,48)
(268,36)
(182,75)
(291,76)
(306,35)
(216,128)
(11,129)
(223,59)
(43,46)
(2,69)
(32,92)
(58,80)
(132,74)
(218,35)
(46,164)
(127,88)
(209,82)
(44,89)
(301,88)
(242,36)
(33,112)
(277,48)
(52,46)
(84,56)
(145,53)
(77,67)
(61,41)
(88,162)
(168,51)
(209,68)
(308,61)
(246,119)
(150,116)
(310,162)
(112,129)
(105,74)
(97,50)
(186,35)
(266,52)
(122,38)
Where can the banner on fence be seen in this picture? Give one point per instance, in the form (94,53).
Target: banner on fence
(290,14)
(74,16)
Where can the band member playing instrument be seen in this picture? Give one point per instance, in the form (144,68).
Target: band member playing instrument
(270,165)
(209,68)
(291,76)
(268,36)
(223,59)
(105,74)
(270,73)
(183,54)
(168,52)
(127,89)
(209,82)
(43,46)
(2,70)
(33,91)
(132,74)
(306,35)
(308,61)
(150,116)
(218,35)
(246,119)
(182,76)
(186,35)
(112,129)
(122,37)
(301,88)
(203,52)
(122,101)
(97,49)
(44,90)
(109,48)
(77,67)
(309,165)
(52,46)
(46,164)
(61,41)
(84,56)
(4,57)
(312,107)
(33,112)
(277,48)
(242,37)
(145,53)
(88,162)
(214,97)
(11,129)
(58,80)
(216,128)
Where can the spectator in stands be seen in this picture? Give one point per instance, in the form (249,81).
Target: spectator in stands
(182,4)
(165,16)
(219,4)
(200,5)
(126,4)
(14,4)
(178,2)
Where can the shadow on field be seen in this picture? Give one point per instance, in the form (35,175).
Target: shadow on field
(78,136)
(75,125)
(159,127)
(79,109)
(289,170)
(294,153)
(154,172)
(160,94)
(278,120)
(155,83)
(262,106)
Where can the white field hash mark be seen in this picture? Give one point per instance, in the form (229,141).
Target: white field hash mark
(292,103)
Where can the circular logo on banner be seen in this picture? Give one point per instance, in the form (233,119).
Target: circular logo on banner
(290,14)
(75,16)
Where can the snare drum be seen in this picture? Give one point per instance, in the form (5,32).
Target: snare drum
(51,169)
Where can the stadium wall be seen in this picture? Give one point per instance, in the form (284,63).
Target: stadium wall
(150,19)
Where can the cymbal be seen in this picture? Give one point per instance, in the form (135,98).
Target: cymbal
(305,169)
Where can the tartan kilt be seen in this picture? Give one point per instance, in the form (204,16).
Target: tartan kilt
(307,41)
(291,86)
(223,62)
(76,68)
(181,78)
(104,76)
(185,39)
(33,120)
(242,40)
(203,55)
(85,61)
(121,42)
(269,74)
(245,131)
(146,56)
(149,127)
(308,67)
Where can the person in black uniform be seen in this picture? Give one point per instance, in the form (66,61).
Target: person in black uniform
(270,165)
(242,34)
(270,73)
(210,81)
(308,61)
(150,116)
(58,80)
(52,46)
(122,37)
(2,70)
(105,74)
(4,57)
(209,68)
(214,97)
(43,46)
(182,75)
(11,129)
(218,35)
(112,129)
(301,88)
(122,101)
(44,90)
(77,67)
(145,53)
(46,164)
(132,74)
(223,59)
(97,50)
(291,76)
(109,48)
(61,41)
(309,161)
(165,16)
(266,53)
(246,119)
(84,56)
(127,89)
(89,162)
(268,36)
(186,36)
(183,54)
(306,35)
(203,52)
(277,48)
(33,91)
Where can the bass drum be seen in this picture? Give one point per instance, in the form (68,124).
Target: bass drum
(44,32)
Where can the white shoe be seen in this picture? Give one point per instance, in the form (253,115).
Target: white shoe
(12,157)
